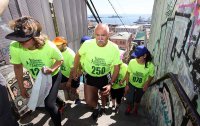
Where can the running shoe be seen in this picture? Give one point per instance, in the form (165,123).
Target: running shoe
(62,107)
(77,101)
(117,109)
(102,111)
(113,107)
(128,110)
(95,114)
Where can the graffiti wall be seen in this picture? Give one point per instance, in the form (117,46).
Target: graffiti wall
(174,42)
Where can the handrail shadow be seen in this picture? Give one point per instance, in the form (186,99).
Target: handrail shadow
(191,112)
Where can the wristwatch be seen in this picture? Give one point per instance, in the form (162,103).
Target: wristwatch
(111,83)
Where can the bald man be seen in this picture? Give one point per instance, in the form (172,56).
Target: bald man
(100,55)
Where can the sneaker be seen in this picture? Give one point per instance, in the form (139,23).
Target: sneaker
(95,114)
(113,107)
(62,108)
(117,109)
(102,111)
(77,101)
(108,101)
(128,110)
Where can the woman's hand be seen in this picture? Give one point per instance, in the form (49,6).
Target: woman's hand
(46,70)
(145,87)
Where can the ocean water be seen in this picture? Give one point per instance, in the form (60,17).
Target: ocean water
(126,19)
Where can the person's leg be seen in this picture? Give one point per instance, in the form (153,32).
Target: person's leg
(104,99)
(6,117)
(91,95)
(130,99)
(74,87)
(91,98)
(50,101)
(112,92)
(137,98)
(119,95)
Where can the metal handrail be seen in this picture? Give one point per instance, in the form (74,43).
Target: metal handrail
(190,110)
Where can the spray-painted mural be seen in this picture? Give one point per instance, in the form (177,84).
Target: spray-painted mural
(176,48)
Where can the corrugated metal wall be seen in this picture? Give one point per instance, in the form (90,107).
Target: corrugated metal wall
(74,23)
(71,17)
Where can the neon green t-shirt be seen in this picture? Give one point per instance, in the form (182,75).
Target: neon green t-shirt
(121,75)
(99,60)
(34,60)
(82,57)
(68,63)
(138,73)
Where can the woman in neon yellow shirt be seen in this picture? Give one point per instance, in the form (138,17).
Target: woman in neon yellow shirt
(32,50)
(139,74)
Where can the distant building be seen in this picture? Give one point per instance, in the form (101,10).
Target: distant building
(140,38)
(122,39)
(129,28)
(112,27)
(91,26)
(145,26)
(147,34)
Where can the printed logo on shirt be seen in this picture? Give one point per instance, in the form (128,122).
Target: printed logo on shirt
(98,61)
(35,64)
(63,68)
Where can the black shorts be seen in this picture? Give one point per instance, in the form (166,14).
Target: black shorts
(75,83)
(117,93)
(98,82)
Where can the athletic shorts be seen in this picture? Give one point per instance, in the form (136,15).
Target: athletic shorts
(74,84)
(98,82)
(117,93)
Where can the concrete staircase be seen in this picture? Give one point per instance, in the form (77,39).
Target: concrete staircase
(79,115)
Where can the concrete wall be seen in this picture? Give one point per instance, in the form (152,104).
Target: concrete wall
(174,42)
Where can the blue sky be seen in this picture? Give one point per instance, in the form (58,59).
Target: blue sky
(123,6)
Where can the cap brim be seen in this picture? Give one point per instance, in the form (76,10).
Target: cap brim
(16,37)
(58,43)
(133,54)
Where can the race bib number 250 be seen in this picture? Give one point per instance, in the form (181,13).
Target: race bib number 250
(98,70)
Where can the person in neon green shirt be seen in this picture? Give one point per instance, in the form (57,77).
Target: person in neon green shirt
(140,73)
(67,68)
(100,55)
(83,39)
(117,91)
(31,49)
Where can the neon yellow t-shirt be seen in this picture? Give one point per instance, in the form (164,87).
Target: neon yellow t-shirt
(68,63)
(138,73)
(34,60)
(121,75)
(99,60)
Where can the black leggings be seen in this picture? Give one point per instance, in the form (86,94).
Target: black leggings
(50,101)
